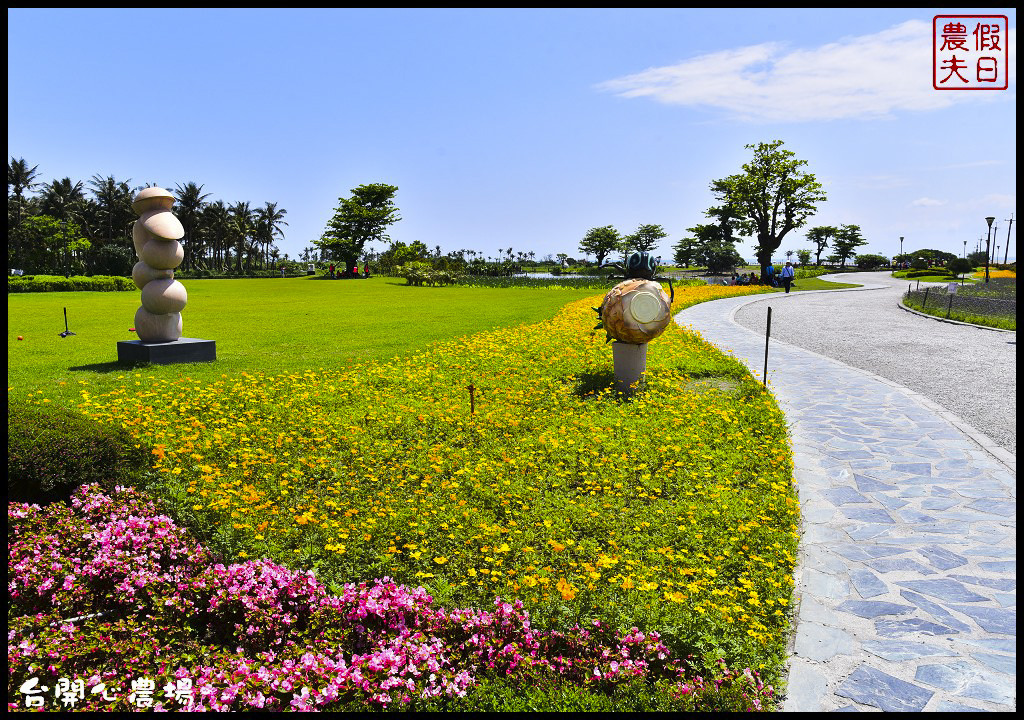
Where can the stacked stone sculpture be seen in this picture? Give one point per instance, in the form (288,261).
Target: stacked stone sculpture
(156,234)
(158,322)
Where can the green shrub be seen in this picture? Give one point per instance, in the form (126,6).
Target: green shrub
(52,450)
(59,283)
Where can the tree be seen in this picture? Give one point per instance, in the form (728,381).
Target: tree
(936,257)
(113,205)
(977,259)
(869,261)
(821,236)
(189,209)
(847,239)
(51,246)
(358,220)
(714,248)
(959,266)
(645,239)
(772,195)
(804,256)
(686,251)
(601,242)
(240,227)
(269,220)
(20,177)
(216,221)
(63,199)
(399,254)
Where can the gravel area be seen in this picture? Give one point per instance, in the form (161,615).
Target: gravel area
(970,371)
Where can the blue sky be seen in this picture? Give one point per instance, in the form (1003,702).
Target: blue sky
(518,128)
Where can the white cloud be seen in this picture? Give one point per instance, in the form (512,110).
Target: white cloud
(927,202)
(864,76)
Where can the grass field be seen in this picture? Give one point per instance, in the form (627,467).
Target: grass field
(335,434)
(276,325)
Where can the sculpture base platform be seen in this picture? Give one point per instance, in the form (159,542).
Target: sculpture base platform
(630,364)
(182,350)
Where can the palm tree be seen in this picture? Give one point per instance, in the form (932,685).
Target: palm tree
(241,228)
(20,177)
(63,199)
(113,203)
(215,222)
(268,226)
(189,211)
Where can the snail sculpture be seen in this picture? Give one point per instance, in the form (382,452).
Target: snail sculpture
(636,310)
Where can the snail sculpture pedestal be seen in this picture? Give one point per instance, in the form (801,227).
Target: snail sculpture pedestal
(630,363)
(158,321)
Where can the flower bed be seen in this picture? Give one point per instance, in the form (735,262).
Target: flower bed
(116,608)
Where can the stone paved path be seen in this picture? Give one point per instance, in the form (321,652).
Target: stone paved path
(906,580)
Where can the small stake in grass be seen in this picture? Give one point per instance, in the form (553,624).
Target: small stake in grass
(66,331)
(472,406)
(767,334)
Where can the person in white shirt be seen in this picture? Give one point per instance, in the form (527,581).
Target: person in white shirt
(787,275)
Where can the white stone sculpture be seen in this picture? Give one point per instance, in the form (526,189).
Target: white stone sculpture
(156,234)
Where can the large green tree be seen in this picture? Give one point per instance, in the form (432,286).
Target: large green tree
(364,217)
(846,242)
(821,236)
(645,239)
(773,196)
(601,242)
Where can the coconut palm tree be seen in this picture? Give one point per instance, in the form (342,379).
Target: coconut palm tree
(113,206)
(215,222)
(20,177)
(189,211)
(241,228)
(268,222)
(63,199)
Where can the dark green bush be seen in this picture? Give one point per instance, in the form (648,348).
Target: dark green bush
(59,283)
(52,450)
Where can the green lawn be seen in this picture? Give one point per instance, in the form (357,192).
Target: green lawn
(278,325)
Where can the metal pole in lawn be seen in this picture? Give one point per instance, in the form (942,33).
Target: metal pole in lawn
(767,335)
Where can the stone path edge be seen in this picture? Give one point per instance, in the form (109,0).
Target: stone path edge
(1002,455)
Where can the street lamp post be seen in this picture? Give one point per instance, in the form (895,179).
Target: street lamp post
(988,245)
(901,248)
(1006,251)
(965,249)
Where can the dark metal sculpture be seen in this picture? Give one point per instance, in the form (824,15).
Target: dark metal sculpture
(638,266)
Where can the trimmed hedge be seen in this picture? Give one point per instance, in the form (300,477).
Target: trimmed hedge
(58,283)
(52,450)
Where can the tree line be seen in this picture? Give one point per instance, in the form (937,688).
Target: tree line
(771,197)
(66,227)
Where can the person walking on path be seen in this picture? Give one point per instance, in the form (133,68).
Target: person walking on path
(787,275)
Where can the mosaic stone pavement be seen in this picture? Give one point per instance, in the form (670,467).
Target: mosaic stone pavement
(906,580)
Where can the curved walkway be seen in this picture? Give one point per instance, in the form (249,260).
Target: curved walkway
(906,579)
(969,371)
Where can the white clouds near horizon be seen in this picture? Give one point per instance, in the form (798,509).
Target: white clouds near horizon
(867,76)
